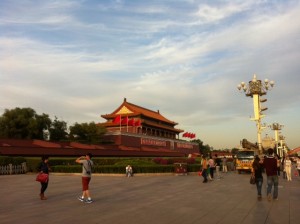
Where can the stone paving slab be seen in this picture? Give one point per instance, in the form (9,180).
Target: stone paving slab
(146,199)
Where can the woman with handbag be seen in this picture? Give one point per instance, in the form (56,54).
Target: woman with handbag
(44,169)
(257,170)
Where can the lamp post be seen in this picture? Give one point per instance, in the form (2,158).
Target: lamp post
(282,145)
(255,89)
(276,127)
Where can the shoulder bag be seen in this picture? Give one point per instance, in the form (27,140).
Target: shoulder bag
(252,179)
(42,177)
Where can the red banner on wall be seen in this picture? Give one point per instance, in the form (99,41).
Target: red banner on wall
(147,141)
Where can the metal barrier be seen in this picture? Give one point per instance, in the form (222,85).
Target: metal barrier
(13,169)
(180,168)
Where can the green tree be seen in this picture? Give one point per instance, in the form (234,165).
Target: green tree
(87,132)
(23,123)
(58,130)
(204,149)
(43,122)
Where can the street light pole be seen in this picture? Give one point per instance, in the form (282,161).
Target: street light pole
(255,89)
(276,127)
(282,145)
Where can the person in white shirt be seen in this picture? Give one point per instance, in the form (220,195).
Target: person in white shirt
(212,165)
(224,164)
(218,164)
(298,166)
(288,168)
(128,171)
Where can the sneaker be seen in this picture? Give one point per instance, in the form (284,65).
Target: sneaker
(269,197)
(276,199)
(88,201)
(259,197)
(80,199)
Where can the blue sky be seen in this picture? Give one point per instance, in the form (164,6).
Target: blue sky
(79,59)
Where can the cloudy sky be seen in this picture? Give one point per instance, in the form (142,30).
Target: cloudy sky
(77,60)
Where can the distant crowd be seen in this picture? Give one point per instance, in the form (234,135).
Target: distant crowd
(271,164)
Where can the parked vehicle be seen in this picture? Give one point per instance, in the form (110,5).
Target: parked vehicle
(244,160)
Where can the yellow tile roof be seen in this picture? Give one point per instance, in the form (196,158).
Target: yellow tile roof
(132,110)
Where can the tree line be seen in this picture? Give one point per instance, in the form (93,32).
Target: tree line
(25,123)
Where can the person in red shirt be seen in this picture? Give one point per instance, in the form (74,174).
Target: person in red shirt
(270,165)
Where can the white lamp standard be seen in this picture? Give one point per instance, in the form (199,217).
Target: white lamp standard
(255,89)
(282,145)
(276,128)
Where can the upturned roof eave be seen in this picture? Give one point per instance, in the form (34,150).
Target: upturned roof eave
(138,110)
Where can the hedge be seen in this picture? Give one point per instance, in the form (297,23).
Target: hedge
(121,169)
(5,160)
(105,165)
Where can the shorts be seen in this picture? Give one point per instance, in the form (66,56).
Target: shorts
(85,183)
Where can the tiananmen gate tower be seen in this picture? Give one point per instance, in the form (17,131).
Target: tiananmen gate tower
(134,126)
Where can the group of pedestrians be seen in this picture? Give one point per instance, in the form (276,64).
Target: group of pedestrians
(287,168)
(271,163)
(87,164)
(209,165)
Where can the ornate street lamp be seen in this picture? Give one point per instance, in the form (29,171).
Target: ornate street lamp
(282,145)
(255,89)
(276,127)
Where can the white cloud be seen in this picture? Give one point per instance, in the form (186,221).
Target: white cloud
(214,13)
(64,63)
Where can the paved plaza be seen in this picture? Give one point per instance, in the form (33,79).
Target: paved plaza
(145,199)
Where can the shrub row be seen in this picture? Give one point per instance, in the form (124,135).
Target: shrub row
(121,169)
(165,161)
(126,161)
(5,160)
(105,165)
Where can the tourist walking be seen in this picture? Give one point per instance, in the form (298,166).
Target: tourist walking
(224,164)
(283,167)
(257,170)
(44,168)
(211,164)
(270,165)
(128,171)
(298,165)
(278,164)
(288,168)
(218,165)
(204,169)
(234,163)
(87,164)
